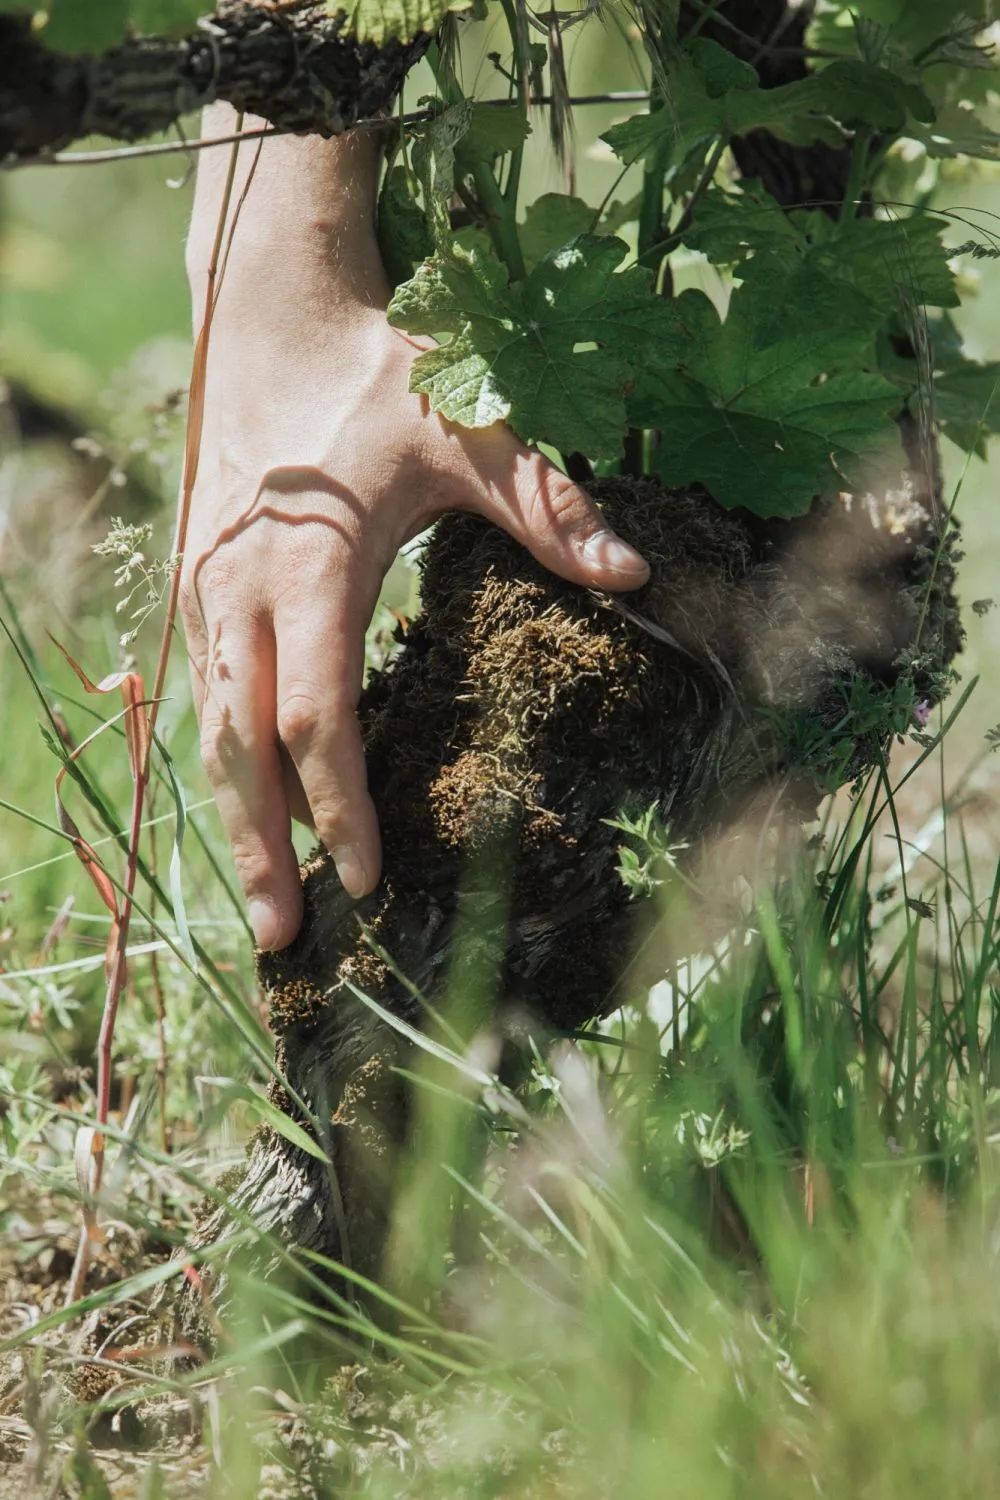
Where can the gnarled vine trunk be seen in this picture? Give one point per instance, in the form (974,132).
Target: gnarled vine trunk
(521,713)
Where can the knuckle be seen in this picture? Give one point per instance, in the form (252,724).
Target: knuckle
(298,719)
(253,867)
(331,815)
(187,596)
(218,572)
(211,759)
(557,506)
(210,585)
(218,744)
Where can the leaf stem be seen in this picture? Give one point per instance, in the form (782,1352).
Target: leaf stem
(500,222)
(650,242)
(856,177)
(651,250)
(517,38)
(498,215)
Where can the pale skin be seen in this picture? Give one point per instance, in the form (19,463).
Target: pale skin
(316,466)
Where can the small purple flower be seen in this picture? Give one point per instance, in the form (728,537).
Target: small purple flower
(922,713)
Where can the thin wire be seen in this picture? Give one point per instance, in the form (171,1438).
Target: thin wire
(382,122)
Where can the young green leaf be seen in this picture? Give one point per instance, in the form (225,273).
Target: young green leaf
(551,221)
(721,70)
(400,20)
(403,236)
(966,394)
(967,403)
(71,27)
(551,354)
(857,94)
(434,161)
(775,405)
(453,143)
(958,131)
(86,26)
(730,227)
(882,259)
(492,131)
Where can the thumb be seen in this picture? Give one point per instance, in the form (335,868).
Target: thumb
(559,524)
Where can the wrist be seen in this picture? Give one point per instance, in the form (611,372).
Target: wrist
(306,226)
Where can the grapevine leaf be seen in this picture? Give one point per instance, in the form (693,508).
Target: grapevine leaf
(966,393)
(946,46)
(914,25)
(964,43)
(774,406)
(857,94)
(873,39)
(450,292)
(435,145)
(165,17)
(93,25)
(883,260)
(493,130)
(958,131)
(618,213)
(451,143)
(729,227)
(720,69)
(400,20)
(76,27)
(403,236)
(71,27)
(434,161)
(459,383)
(551,354)
(551,221)
(967,403)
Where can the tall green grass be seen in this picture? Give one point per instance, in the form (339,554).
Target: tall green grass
(739,1241)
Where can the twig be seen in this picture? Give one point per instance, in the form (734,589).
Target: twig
(709,11)
(159,1000)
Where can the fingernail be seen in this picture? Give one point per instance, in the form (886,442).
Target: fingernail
(264,921)
(351,870)
(606,550)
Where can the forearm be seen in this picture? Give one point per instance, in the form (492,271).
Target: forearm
(306,239)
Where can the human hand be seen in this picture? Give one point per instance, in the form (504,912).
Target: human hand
(316,465)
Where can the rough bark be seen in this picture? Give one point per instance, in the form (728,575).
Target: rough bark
(291,63)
